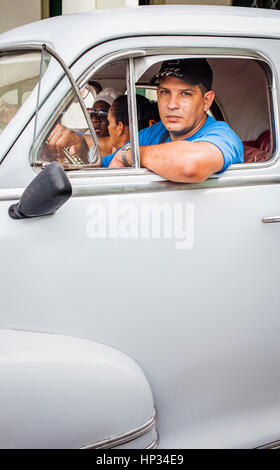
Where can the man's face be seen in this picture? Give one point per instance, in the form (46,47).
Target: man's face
(100,125)
(182,107)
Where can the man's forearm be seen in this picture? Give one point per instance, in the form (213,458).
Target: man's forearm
(182,161)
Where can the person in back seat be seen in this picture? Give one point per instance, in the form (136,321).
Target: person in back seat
(118,127)
(99,117)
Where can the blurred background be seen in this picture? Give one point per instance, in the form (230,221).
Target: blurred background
(18,12)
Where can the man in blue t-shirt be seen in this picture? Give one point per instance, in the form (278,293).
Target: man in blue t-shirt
(187,145)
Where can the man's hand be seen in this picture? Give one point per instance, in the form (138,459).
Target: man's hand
(62,137)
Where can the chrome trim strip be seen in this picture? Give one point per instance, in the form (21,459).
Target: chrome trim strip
(88,172)
(124,438)
(11,194)
(154,186)
(97,189)
(154,443)
(271,220)
(272,445)
(38,94)
(211,51)
(36,46)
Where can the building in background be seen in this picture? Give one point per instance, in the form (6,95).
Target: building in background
(17,12)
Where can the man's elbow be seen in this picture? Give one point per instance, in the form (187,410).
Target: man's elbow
(194,172)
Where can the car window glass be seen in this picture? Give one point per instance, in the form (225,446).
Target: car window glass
(19,74)
(66,137)
(62,132)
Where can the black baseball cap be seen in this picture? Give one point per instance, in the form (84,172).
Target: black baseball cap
(192,71)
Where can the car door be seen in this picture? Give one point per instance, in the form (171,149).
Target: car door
(181,277)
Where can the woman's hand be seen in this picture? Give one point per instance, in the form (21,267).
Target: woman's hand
(117,161)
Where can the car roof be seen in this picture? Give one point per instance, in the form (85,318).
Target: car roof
(71,35)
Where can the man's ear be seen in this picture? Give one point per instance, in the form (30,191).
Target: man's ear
(208,97)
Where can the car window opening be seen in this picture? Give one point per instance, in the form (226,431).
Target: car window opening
(244,107)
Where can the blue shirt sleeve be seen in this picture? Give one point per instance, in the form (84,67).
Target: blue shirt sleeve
(223,137)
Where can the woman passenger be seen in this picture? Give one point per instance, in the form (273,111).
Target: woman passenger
(118,128)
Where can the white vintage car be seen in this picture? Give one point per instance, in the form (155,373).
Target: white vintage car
(139,312)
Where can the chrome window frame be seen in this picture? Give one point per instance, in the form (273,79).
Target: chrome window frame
(160,53)
(78,95)
(272,98)
(132,108)
(132,112)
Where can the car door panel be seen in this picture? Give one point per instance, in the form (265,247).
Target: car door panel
(198,316)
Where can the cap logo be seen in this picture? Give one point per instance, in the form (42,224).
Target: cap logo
(172,69)
(169,71)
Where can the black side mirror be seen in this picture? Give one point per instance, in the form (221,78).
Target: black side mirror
(44,195)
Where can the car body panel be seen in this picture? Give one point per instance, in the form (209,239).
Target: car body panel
(206,356)
(64,392)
